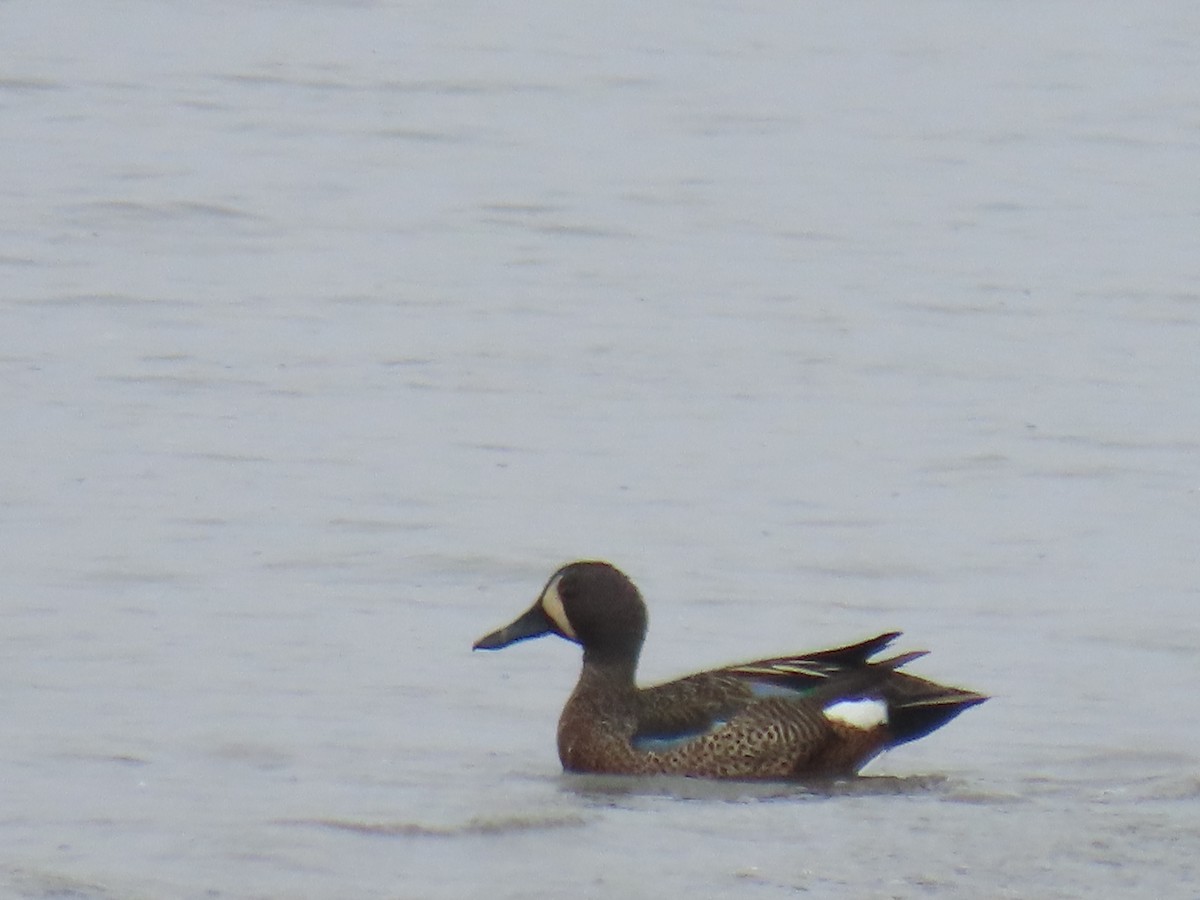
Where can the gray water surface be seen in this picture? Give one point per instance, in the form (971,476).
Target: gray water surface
(329,329)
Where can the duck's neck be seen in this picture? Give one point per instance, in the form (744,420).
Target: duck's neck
(600,718)
(610,671)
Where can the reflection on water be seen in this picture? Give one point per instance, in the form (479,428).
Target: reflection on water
(615,787)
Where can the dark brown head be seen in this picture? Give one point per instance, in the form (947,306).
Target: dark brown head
(590,603)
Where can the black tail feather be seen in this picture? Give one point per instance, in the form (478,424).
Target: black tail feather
(915,718)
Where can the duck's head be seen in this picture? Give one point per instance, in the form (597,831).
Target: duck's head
(590,603)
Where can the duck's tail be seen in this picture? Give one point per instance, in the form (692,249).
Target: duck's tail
(916,706)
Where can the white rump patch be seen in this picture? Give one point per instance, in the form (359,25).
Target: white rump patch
(865,714)
(553,606)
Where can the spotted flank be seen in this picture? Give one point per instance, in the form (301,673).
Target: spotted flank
(824,713)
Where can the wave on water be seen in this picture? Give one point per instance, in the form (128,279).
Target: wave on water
(36,884)
(477,825)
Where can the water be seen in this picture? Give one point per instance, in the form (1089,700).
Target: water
(328,330)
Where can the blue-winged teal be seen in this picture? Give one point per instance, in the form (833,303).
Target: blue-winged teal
(816,714)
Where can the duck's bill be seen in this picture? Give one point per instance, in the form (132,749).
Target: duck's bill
(533,623)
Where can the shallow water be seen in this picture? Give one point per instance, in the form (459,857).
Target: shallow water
(328,330)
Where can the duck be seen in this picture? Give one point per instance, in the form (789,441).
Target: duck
(824,714)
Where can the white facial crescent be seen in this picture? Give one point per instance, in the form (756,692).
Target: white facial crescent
(553,606)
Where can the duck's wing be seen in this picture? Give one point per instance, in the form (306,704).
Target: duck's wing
(682,710)
(845,684)
(679,711)
(810,670)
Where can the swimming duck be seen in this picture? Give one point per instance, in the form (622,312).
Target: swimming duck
(818,714)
